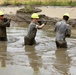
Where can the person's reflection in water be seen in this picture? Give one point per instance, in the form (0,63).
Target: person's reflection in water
(3,49)
(35,60)
(62,63)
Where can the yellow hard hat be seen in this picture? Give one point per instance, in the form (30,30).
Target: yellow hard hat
(34,15)
(1,13)
(66,14)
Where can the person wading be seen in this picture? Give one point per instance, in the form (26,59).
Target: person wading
(29,39)
(62,30)
(4,22)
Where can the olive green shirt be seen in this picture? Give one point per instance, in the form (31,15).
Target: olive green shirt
(3,26)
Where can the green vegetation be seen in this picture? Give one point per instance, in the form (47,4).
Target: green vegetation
(39,2)
(27,9)
(6,2)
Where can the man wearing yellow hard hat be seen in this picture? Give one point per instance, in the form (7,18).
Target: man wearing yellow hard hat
(62,30)
(29,39)
(4,22)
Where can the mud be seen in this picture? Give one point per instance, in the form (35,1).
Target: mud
(51,17)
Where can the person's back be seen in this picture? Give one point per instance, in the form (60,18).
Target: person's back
(62,30)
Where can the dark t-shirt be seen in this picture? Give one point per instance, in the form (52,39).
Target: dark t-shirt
(32,30)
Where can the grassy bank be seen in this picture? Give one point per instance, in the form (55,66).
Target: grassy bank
(39,2)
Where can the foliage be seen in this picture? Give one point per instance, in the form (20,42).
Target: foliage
(40,2)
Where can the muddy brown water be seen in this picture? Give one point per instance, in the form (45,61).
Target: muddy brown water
(41,59)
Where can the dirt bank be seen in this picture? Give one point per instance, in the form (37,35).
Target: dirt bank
(54,13)
(51,11)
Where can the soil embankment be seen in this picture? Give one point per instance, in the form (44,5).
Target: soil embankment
(52,13)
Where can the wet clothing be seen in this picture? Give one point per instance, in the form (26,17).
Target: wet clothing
(30,37)
(62,30)
(3,25)
(32,30)
(61,45)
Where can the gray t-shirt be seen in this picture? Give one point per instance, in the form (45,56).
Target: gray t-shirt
(32,30)
(62,29)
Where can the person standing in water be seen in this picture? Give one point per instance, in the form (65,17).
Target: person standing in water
(4,22)
(62,30)
(29,39)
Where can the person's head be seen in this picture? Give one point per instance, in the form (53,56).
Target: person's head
(66,16)
(1,15)
(35,17)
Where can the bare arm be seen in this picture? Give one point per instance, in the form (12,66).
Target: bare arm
(40,26)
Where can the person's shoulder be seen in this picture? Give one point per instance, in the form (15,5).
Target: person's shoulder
(68,25)
(58,23)
(32,23)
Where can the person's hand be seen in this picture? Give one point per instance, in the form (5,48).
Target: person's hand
(5,19)
(44,22)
